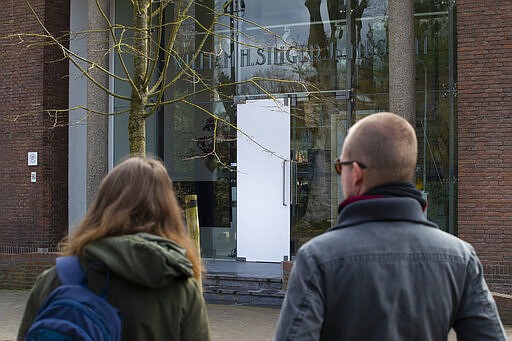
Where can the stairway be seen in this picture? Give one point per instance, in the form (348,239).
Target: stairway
(231,289)
(243,283)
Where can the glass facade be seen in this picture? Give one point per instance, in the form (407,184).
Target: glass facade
(329,59)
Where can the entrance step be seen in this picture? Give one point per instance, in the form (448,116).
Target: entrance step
(233,289)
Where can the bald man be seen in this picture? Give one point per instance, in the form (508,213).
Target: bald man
(384,272)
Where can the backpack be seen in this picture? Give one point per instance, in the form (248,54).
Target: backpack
(73,312)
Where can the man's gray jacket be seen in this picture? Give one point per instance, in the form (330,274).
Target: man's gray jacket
(384,272)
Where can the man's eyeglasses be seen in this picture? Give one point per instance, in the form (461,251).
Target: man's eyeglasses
(338,164)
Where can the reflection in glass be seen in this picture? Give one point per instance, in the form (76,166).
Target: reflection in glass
(312,50)
(319,125)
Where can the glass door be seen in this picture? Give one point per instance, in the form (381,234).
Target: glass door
(319,125)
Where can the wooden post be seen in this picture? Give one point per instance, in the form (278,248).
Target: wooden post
(287,268)
(192,217)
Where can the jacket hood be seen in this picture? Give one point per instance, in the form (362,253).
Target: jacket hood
(141,258)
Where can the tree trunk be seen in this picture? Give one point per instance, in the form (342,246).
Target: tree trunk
(137,130)
(139,98)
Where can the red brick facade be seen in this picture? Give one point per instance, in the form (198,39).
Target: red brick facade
(484,60)
(19,271)
(33,216)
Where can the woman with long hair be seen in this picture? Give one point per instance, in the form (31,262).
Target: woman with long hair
(136,228)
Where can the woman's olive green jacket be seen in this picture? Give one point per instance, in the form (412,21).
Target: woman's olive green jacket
(150,283)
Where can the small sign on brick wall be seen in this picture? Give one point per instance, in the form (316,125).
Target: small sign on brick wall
(32,158)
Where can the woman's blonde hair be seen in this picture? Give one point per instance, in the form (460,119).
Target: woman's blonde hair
(136,196)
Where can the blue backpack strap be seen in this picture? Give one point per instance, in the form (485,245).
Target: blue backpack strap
(69,270)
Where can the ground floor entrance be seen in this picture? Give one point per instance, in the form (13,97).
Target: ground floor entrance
(283,190)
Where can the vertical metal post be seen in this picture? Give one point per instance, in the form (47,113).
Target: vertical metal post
(350,57)
(232,45)
(451,128)
(425,132)
(425,100)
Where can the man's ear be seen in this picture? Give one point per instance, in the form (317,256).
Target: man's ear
(358,179)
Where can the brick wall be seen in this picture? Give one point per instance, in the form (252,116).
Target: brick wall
(485,137)
(504,302)
(32,80)
(19,271)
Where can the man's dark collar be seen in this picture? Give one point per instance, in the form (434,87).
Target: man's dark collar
(390,189)
(364,209)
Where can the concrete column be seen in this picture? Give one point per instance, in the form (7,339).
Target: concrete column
(402,73)
(77,174)
(97,99)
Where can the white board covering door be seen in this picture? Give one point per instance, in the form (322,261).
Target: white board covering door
(263,180)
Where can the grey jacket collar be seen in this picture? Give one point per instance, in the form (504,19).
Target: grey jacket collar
(382,209)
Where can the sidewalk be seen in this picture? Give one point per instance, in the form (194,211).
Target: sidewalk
(227,322)
(12,304)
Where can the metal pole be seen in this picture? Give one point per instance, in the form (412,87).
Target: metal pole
(350,56)
(451,129)
(425,99)
(232,45)
(425,129)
